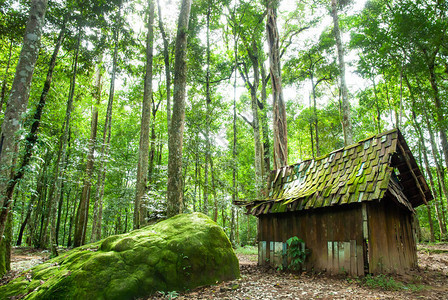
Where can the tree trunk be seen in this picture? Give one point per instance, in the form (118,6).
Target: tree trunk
(280,126)
(265,126)
(55,188)
(208,101)
(234,151)
(5,79)
(83,208)
(174,189)
(31,138)
(440,174)
(316,120)
(253,88)
(18,103)
(143,151)
(101,176)
(166,58)
(5,247)
(346,118)
(429,175)
(438,105)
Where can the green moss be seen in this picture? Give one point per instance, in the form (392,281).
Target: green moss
(183,252)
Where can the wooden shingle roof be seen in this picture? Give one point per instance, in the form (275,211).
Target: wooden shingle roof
(368,170)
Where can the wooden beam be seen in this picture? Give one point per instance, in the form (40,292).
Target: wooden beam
(407,159)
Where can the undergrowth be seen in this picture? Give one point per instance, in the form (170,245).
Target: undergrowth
(388,283)
(247,250)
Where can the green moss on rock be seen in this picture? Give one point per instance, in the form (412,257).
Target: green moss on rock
(180,253)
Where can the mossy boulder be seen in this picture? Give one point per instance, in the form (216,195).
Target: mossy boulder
(180,253)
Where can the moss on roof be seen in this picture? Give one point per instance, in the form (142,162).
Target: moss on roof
(356,173)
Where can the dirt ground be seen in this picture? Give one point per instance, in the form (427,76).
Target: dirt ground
(429,281)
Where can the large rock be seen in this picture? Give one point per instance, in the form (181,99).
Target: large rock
(180,253)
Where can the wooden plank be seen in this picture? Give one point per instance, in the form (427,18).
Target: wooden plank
(330,257)
(261,252)
(335,257)
(353,259)
(390,215)
(360,259)
(346,259)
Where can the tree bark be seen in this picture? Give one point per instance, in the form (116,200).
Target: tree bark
(438,105)
(440,174)
(83,208)
(56,186)
(280,126)
(253,88)
(316,120)
(105,141)
(175,142)
(346,117)
(166,59)
(264,125)
(143,151)
(18,103)
(208,101)
(5,79)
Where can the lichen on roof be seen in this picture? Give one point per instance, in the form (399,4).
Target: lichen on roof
(359,172)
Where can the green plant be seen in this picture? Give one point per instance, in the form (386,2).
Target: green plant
(296,252)
(383,282)
(169,295)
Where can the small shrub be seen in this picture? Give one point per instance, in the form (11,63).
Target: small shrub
(383,282)
(296,253)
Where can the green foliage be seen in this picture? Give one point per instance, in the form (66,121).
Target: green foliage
(297,253)
(247,250)
(385,282)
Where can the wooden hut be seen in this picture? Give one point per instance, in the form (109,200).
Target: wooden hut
(353,208)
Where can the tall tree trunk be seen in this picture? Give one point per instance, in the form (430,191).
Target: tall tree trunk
(429,174)
(208,101)
(430,60)
(143,151)
(166,59)
(280,126)
(253,88)
(264,125)
(5,247)
(105,141)
(378,111)
(55,188)
(440,174)
(31,137)
(234,150)
(83,208)
(175,142)
(346,118)
(67,210)
(18,103)
(316,120)
(5,78)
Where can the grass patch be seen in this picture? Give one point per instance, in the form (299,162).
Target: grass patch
(388,283)
(433,251)
(247,250)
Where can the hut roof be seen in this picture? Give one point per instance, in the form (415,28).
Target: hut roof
(365,171)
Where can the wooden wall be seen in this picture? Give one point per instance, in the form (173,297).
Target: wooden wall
(392,246)
(333,235)
(337,238)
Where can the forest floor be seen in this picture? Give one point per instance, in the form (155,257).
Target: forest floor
(429,281)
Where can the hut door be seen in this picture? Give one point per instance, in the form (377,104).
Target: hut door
(345,257)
